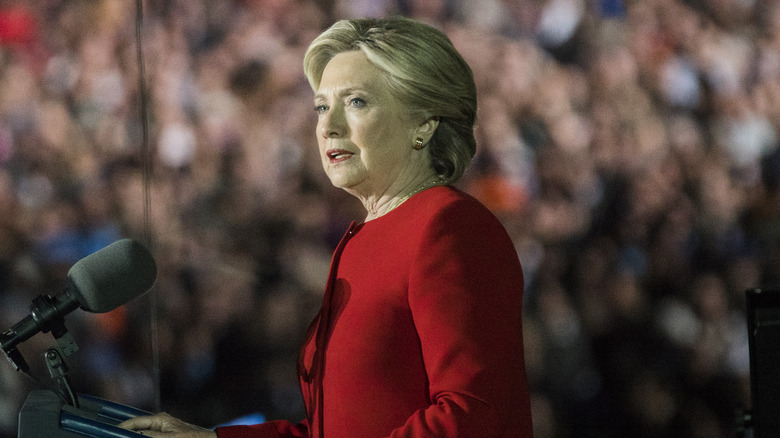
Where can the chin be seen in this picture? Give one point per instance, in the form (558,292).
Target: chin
(341,181)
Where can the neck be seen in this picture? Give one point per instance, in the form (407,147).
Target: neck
(387,204)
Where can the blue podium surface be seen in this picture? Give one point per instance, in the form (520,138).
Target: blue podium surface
(45,414)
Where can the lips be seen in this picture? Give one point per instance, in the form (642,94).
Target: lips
(338,155)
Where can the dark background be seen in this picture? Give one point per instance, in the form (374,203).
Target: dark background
(629,147)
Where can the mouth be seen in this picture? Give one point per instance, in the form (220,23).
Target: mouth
(338,155)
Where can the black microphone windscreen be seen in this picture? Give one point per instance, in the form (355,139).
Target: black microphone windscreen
(112,276)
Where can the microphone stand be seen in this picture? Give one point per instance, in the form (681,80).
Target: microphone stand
(15,357)
(58,369)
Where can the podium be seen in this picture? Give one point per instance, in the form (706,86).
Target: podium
(763,315)
(45,414)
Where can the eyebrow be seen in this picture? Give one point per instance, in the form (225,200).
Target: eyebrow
(342,92)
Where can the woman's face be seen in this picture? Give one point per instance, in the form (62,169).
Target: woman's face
(365,137)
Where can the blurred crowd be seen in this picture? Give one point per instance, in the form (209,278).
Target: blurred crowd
(630,148)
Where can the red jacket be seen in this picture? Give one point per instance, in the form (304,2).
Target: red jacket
(420,330)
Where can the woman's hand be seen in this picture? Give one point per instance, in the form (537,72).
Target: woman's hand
(164,426)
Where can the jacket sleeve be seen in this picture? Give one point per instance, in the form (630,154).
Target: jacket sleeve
(465,294)
(271,429)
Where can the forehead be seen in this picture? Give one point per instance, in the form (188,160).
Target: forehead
(350,70)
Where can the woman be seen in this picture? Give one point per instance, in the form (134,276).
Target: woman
(420,328)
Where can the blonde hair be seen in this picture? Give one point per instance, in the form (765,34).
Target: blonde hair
(425,72)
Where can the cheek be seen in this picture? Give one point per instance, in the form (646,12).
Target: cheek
(381,136)
(318,130)
(321,148)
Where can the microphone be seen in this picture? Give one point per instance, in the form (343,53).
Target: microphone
(98,283)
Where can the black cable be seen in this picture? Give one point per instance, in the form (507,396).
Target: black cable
(58,370)
(146,160)
(48,385)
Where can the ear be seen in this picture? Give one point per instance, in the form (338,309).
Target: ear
(427,129)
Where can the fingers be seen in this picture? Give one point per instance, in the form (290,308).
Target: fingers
(156,422)
(163,425)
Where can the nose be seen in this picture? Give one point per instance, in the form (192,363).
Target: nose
(332,123)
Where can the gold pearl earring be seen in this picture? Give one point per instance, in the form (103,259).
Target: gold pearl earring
(418,143)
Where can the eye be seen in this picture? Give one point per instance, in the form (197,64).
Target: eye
(357,102)
(320,109)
